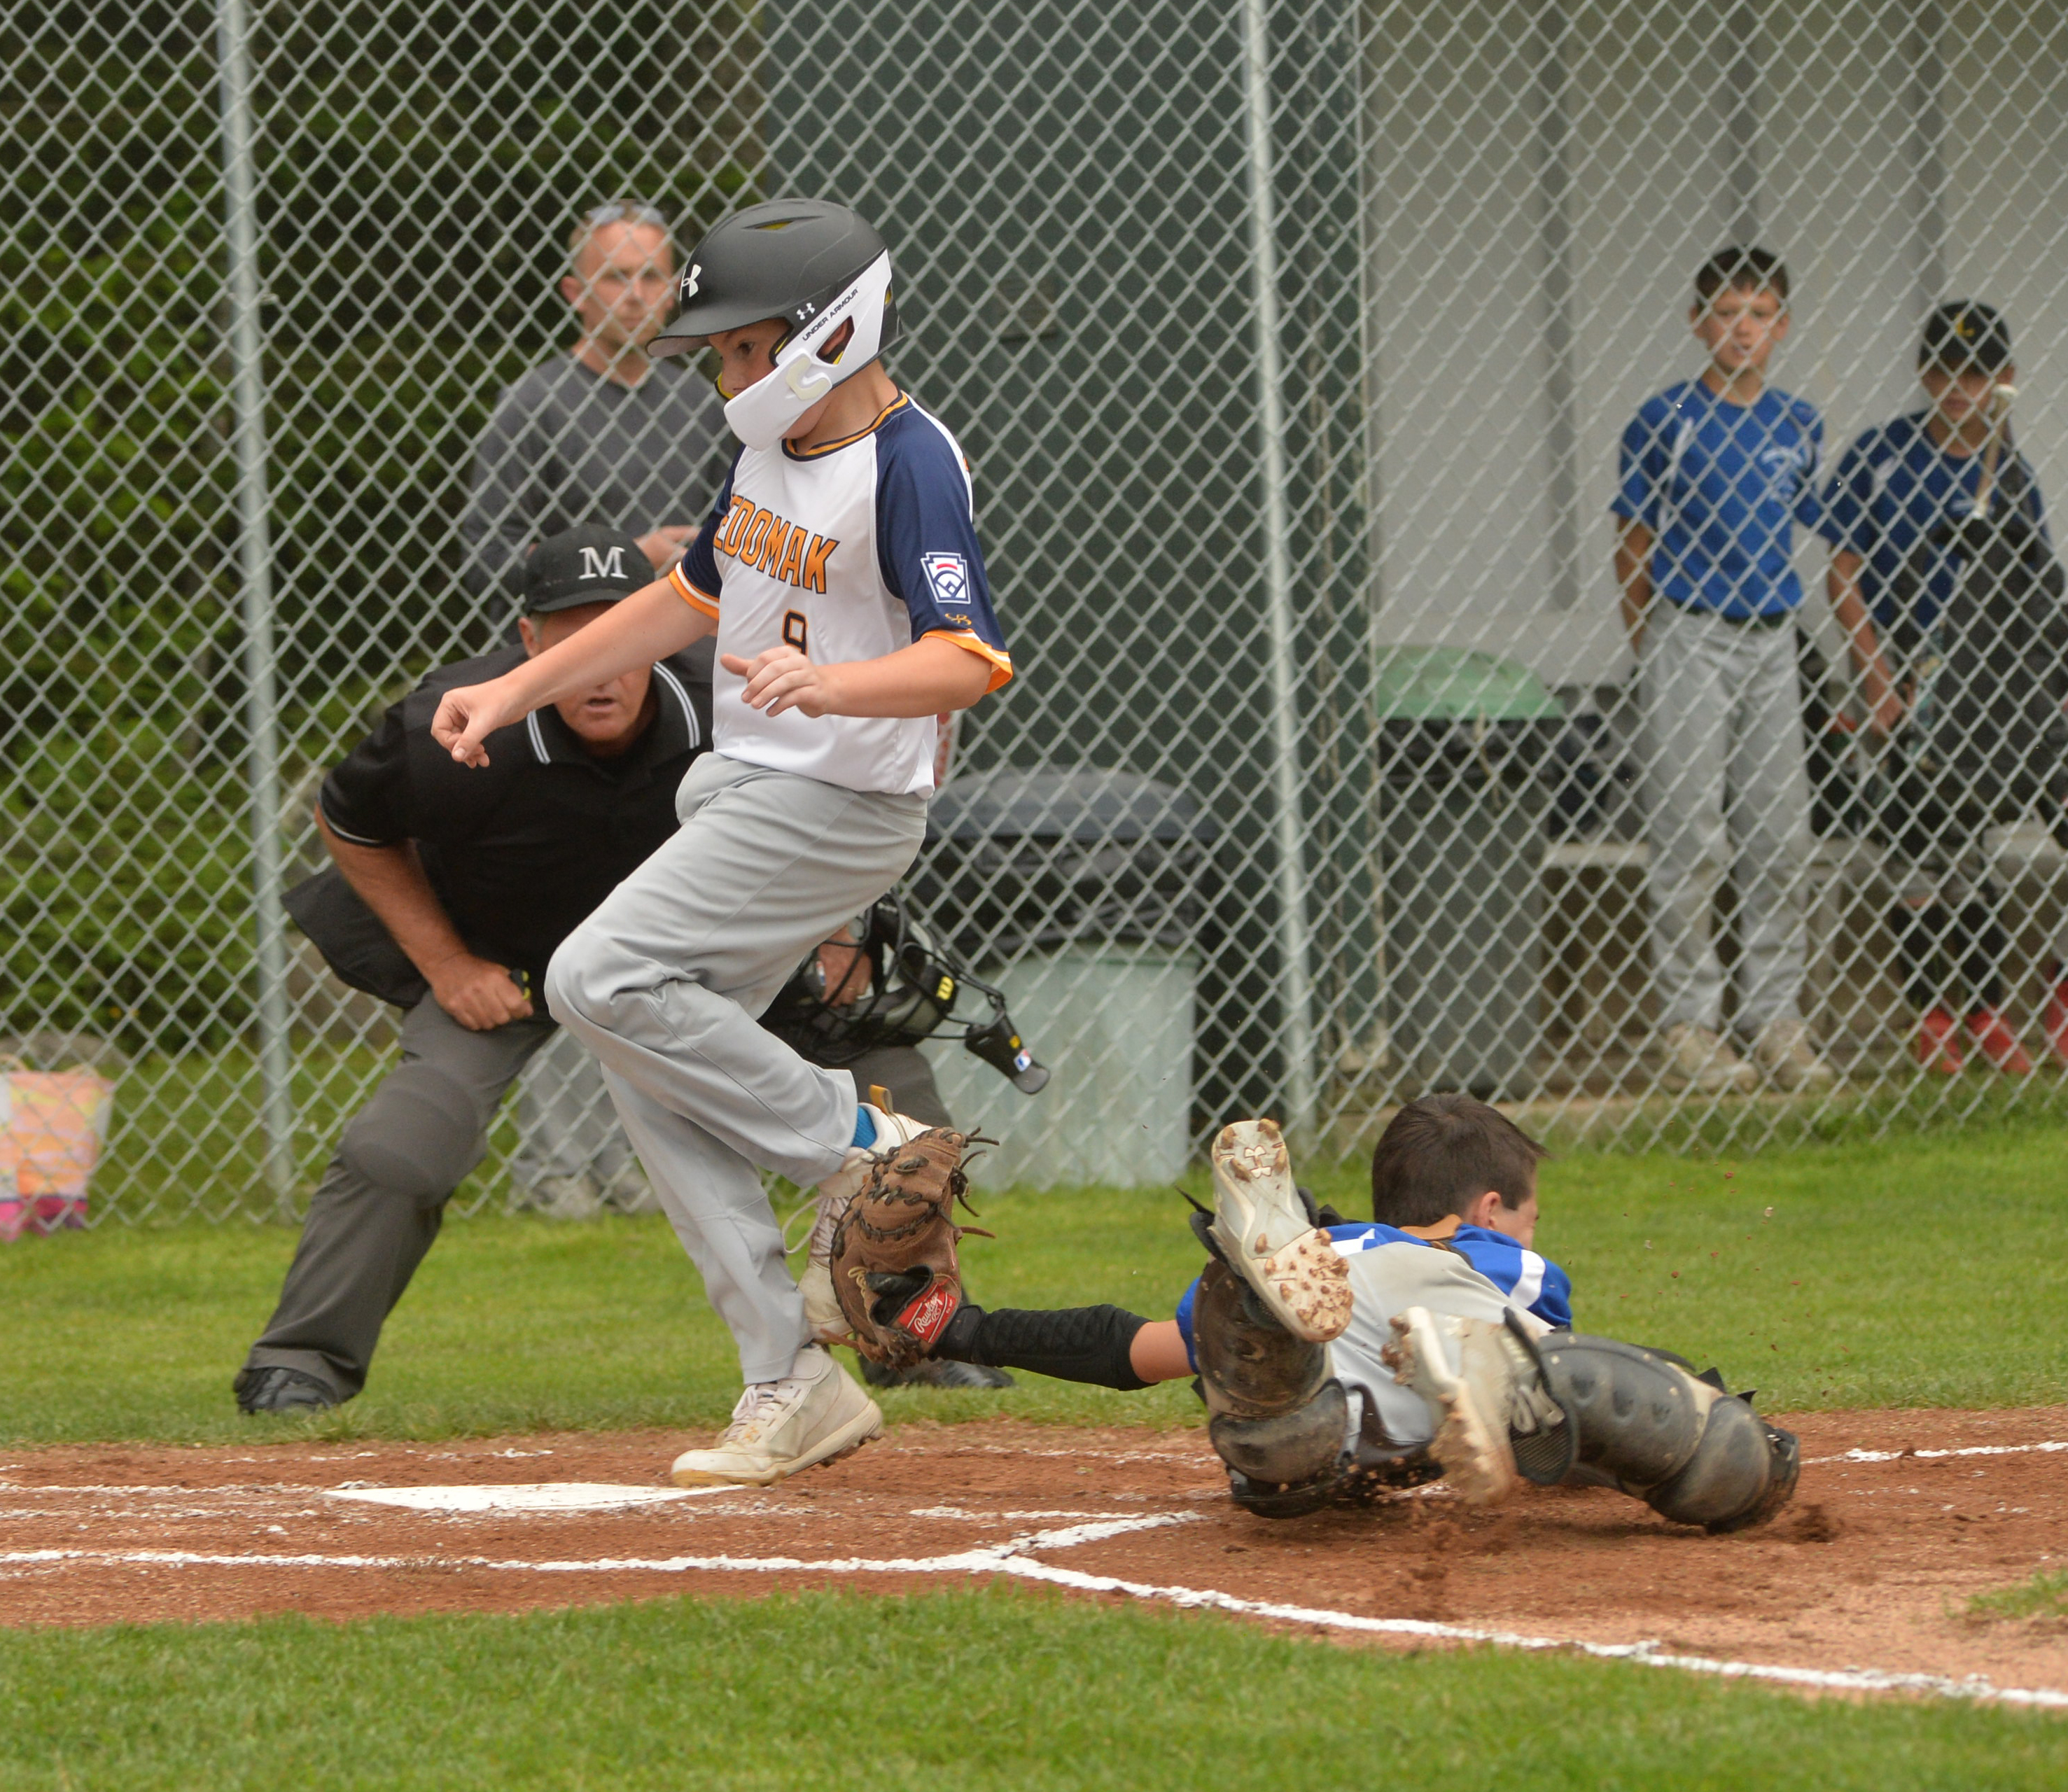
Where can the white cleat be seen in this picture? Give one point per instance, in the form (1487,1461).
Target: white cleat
(817,1413)
(1466,1382)
(1261,1225)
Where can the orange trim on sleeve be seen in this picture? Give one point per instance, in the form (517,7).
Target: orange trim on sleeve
(1001,664)
(689,595)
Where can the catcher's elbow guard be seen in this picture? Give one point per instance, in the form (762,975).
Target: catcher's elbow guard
(1689,1450)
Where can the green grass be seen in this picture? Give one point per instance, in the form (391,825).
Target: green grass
(1861,1289)
(2044,1596)
(978,1687)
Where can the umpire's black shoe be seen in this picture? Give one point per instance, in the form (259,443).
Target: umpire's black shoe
(281,1391)
(935,1373)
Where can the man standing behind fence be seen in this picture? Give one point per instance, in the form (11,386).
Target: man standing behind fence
(600,434)
(1714,473)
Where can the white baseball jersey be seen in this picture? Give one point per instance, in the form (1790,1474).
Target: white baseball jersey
(847,551)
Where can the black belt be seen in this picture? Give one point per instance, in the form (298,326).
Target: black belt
(1780,620)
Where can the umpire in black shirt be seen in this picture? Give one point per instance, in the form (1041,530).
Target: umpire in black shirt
(451,889)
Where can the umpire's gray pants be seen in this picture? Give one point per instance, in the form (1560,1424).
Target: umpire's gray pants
(664,983)
(379,1203)
(1726,796)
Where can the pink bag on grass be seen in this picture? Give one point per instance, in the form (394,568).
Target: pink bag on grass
(53,1124)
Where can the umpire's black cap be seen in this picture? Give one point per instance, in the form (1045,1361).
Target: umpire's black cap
(1964,333)
(586,564)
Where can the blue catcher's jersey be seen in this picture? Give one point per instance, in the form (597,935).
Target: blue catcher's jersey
(1530,1281)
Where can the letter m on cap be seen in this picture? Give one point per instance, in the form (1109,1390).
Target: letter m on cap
(603,562)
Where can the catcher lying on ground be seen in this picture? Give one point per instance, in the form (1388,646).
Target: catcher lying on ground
(1338,1360)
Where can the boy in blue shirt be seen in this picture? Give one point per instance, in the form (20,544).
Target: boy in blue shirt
(1897,514)
(1714,474)
(1454,1356)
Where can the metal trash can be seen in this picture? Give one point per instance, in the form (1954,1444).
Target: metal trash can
(1471,747)
(1077,892)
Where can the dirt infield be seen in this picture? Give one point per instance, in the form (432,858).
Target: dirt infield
(1865,1574)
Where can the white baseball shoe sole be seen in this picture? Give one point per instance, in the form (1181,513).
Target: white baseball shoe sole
(1262,1227)
(781,1428)
(1471,1410)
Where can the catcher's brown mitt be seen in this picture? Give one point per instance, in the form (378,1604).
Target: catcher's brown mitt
(894,1270)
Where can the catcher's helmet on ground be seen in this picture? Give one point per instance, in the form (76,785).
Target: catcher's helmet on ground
(822,269)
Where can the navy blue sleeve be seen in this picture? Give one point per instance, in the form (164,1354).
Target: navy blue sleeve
(1640,464)
(695,577)
(1847,523)
(926,540)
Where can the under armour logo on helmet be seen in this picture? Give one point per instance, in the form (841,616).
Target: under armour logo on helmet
(687,289)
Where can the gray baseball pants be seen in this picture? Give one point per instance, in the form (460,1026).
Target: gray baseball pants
(378,1206)
(566,1125)
(1726,796)
(664,983)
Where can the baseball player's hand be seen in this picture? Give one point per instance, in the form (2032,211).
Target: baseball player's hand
(1886,716)
(478,995)
(663,547)
(783,679)
(468,715)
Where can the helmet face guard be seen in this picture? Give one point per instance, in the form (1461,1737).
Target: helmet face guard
(768,411)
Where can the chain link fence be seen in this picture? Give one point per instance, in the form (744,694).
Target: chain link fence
(1294,348)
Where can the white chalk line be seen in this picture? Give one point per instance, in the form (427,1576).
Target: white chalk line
(992,1517)
(1645,1654)
(1924,1455)
(536,1496)
(1015,1557)
(972,1561)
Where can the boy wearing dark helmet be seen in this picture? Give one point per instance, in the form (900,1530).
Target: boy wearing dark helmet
(841,571)
(1938,535)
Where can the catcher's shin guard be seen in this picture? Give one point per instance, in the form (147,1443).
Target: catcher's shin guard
(1280,1420)
(1691,1451)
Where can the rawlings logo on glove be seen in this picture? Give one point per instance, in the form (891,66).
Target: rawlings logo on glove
(894,1269)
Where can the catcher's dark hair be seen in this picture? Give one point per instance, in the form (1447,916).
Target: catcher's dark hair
(1441,1152)
(1736,269)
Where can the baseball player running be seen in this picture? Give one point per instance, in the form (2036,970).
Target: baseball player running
(841,571)
(1336,1359)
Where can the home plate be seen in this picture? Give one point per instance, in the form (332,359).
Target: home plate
(539,1497)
